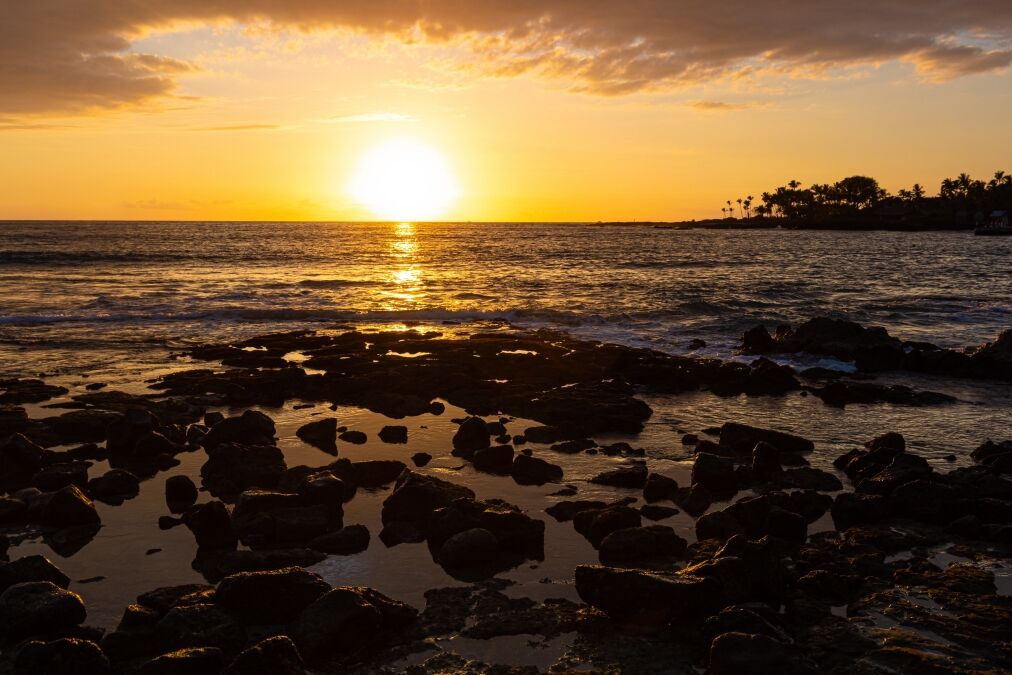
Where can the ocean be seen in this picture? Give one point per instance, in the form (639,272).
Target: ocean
(86,293)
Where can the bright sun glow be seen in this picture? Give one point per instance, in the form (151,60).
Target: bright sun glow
(405,180)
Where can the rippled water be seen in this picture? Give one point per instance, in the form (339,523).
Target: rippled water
(131,286)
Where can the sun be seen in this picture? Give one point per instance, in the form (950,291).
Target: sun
(404,180)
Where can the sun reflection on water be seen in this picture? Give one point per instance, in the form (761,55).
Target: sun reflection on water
(406,273)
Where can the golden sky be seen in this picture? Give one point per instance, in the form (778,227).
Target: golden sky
(565,110)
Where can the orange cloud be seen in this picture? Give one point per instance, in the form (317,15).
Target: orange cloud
(70,55)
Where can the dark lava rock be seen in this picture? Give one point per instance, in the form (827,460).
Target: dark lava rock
(657,512)
(850,509)
(564,510)
(39,607)
(719,525)
(634,477)
(476,546)
(714,473)
(843,393)
(31,568)
(646,599)
(766,459)
(271,597)
(201,624)
(416,496)
(394,434)
(736,653)
(787,525)
(349,620)
(211,525)
(742,438)
(187,661)
(659,487)
(180,493)
(346,541)
(757,340)
(690,439)
(473,434)
(695,500)
(19,458)
(635,545)
(321,434)
(56,476)
(596,525)
(250,428)
(573,446)
(354,437)
(161,600)
(66,656)
(527,470)
(232,468)
(495,459)
(370,473)
(420,459)
(401,532)
(216,565)
(274,656)
(12,509)
(68,507)
(114,485)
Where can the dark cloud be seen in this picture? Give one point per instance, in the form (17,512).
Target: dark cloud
(60,55)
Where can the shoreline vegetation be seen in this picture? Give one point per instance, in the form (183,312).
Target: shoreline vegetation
(859,203)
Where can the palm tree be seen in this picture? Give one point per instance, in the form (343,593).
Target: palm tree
(794,184)
(730,209)
(723,212)
(748,206)
(740,211)
(918,191)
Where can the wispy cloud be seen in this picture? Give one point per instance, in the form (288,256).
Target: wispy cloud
(367,117)
(240,127)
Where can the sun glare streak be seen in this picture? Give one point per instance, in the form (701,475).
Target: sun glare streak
(404,180)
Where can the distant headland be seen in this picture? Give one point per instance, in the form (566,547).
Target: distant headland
(860,203)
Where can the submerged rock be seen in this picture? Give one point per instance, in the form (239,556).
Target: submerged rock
(527,470)
(473,434)
(320,434)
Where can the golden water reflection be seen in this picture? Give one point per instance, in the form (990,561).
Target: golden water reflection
(406,273)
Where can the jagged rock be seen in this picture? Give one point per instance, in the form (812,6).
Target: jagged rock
(420,459)
(274,656)
(19,458)
(716,474)
(659,487)
(200,624)
(270,597)
(349,620)
(766,460)
(211,525)
(394,434)
(31,568)
(69,507)
(321,434)
(35,607)
(416,496)
(695,500)
(188,661)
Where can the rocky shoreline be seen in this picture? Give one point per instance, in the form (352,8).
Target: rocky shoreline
(757,588)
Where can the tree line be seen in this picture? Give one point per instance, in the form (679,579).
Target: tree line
(861,196)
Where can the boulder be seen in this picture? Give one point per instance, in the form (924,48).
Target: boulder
(232,468)
(321,434)
(420,459)
(270,597)
(31,568)
(349,620)
(211,525)
(188,661)
(742,438)
(55,476)
(69,507)
(370,473)
(469,548)
(694,500)
(35,607)
(636,545)
(471,435)
(162,599)
(596,525)
(416,496)
(114,486)
(66,656)
(634,477)
(200,624)
(19,458)
(646,599)
(527,470)
(394,434)
(354,437)
(250,428)
(714,473)
(766,460)
(494,459)
(274,656)
(216,565)
(346,541)
(180,493)
(659,487)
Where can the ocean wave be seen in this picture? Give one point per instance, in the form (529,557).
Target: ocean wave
(339,283)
